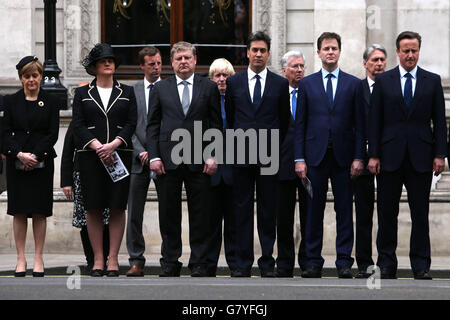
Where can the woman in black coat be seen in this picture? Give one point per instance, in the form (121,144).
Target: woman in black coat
(31,124)
(70,183)
(104,119)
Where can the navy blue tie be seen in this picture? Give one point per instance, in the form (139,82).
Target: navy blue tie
(294,102)
(330,90)
(257,92)
(222,106)
(407,95)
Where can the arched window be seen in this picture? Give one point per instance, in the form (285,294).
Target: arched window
(218,28)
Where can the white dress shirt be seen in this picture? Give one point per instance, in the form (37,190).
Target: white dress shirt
(180,86)
(371,83)
(105,94)
(334,80)
(252,81)
(413,72)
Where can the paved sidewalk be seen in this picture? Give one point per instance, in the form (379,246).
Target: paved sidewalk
(57,264)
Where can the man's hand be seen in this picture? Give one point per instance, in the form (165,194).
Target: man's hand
(300,169)
(438,166)
(158,167)
(143,156)
(210,167)
(68,192)
(357,169)
(374,166)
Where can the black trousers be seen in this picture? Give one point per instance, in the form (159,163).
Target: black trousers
(364,191)
(389,188)
(244,181)
(197,188)
(288,190)
(222,209)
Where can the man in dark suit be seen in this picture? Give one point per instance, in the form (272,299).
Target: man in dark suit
(293,68)
(176,103)
(374,61)
(329,144)
(222,186)
(405,150)
(256,99)
(150,63)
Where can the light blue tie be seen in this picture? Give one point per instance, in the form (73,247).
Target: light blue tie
(294,102)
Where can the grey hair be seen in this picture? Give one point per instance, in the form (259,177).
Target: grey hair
(182,46)
(371,49)
(288,55)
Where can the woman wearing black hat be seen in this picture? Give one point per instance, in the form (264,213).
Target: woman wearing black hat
(104,120)
(31,124)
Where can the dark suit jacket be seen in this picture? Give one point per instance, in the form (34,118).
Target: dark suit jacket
(272,113)
(139,136)
(314,121)
(166,115)
(68,157)
(35,132)
(2,109)
(393,131)
(91,121)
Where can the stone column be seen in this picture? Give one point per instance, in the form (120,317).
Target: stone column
(431,20)
(381,20)
(348,19)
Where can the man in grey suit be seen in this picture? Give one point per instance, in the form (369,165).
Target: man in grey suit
(150,63)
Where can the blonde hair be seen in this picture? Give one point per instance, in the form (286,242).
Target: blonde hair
(221,64)
(30,67)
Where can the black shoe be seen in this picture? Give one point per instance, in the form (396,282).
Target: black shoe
(312,272)
(362,275)
(198,271)
(21,274)
(388,273)
(97,273)
(170,272)
(283,273)
(112,273)
(267,274)
(240,273)
(345,273)
(38,274)
(422,275)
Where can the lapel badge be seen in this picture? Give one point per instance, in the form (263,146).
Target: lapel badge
(41,103)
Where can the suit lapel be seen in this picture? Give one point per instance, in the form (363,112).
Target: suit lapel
(93,93)
(172,82)
(397,87)
(319,85)
(340,85)
(115,95)
(196,88)
(420,80)
(140,96)
(244,83)
(267,86)
(366,92)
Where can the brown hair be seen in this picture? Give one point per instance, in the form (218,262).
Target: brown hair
(328,35)
(408,35)
(147,51)
(30,67)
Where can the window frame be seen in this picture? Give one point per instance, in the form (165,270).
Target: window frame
(176,34)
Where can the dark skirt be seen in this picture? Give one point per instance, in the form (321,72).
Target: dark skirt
(79,212)
(30,192)
(98,189)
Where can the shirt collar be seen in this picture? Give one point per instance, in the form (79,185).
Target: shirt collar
(190,80)
(262,74)
(147,83)
(335,73)
(413,72)
(370,82)
(292,88)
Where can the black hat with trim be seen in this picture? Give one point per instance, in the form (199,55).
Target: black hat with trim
(24,61)
(100,51)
